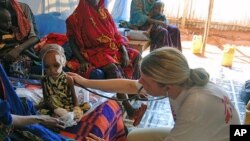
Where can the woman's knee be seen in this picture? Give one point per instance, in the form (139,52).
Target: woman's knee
(148,134)
(112,71)
(173,29)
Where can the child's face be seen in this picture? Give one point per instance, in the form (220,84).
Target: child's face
(158,9)
(5,22)
(52,64)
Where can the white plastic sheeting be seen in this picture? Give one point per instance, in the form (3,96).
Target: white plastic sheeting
(225,11)
(45,6)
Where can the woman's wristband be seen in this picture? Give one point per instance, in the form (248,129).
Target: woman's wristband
(139,91)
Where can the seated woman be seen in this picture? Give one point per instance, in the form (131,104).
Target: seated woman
(96,43)
(17,33)
(166,35)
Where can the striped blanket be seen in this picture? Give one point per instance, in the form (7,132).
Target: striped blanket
(105,121)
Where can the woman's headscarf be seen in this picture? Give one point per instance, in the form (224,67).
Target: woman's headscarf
(5,116)
(23,23)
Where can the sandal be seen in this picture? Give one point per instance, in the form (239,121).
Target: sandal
(139,114)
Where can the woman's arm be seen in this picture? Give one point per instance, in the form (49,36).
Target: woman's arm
(125,57)
(109,85)
(75,50)
(14,53)
(76,53)
(19,121)
(29,43)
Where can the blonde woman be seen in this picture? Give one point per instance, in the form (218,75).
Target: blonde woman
(201,109)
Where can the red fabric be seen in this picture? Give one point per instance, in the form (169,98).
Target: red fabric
(52,38)
(23,23)
(55,38)
(95,34)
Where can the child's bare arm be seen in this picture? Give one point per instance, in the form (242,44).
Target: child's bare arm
(71,90)
(150,27)
(77,110)
(154,21)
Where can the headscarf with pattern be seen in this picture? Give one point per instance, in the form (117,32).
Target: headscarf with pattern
(23,23)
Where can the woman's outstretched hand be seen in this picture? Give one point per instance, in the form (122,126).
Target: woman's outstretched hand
(51,121)
(77,78)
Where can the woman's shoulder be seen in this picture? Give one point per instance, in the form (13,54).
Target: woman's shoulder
(205,94)
(208,89)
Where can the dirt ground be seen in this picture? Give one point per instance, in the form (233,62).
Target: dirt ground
(219,38)
(217,41)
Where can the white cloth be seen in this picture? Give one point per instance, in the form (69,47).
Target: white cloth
(202,113)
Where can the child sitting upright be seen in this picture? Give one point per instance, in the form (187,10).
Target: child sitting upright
(58,88)
(157,14)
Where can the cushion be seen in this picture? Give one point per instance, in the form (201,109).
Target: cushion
(50,22)
(137,35)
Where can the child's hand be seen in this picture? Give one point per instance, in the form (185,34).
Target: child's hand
(60,112)
(78,113)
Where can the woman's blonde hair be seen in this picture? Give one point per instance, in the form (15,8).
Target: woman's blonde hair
(168,65)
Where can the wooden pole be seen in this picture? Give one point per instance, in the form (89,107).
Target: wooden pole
(184,15)
(206,30)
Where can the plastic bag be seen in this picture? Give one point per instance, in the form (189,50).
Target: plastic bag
(245,92)
(68,119)
(247,115)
